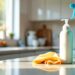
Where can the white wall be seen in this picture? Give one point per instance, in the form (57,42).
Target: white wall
(56,27)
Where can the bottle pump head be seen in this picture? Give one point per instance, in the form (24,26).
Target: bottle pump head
(66,20)
(66,25)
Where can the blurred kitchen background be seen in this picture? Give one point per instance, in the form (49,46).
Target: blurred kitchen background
(33,25)
(34,19)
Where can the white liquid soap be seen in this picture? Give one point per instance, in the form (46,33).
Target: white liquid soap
(66,43)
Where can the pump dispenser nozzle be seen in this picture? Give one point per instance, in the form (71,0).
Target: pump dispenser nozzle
(66,20)
(66,25)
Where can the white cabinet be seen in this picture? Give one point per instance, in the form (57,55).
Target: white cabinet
(37,10)
(45,10)
(52,9)
(66,11)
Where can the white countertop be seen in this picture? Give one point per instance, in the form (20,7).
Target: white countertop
(12,52)
(17,52)
(26,48)
(17,67)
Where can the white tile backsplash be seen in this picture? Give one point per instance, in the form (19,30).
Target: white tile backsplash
(56,27)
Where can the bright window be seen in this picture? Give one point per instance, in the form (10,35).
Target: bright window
(9,18)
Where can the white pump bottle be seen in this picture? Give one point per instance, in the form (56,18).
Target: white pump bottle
(66,43)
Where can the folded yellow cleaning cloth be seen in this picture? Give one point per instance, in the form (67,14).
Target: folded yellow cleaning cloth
(47,58)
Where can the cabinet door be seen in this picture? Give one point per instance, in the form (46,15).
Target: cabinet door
(52,9)
(66,11)
(37,10)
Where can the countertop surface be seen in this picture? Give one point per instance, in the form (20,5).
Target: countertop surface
(23,66)
(19,50)
(12,52)
(2,49)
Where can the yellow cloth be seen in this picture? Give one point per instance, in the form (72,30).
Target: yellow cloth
(47,58)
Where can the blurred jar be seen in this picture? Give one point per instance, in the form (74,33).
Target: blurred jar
(35,43)
(31,37)
(42,41)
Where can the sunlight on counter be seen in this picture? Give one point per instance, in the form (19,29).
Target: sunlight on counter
(18,67)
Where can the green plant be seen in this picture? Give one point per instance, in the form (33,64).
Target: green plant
(11,35)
